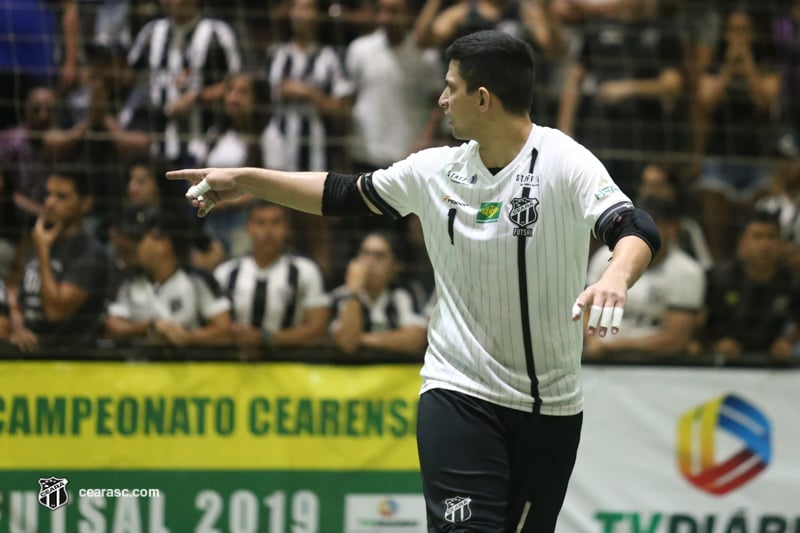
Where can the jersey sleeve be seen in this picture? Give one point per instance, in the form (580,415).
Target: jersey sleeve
(312,290)
(89,272)
(687,286)
(210,298)
(395,191)
(591,187)
(121,306)
(407,312)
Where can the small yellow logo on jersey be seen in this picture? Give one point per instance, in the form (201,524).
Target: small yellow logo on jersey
(489,212)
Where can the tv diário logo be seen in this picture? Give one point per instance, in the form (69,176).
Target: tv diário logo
(701,459)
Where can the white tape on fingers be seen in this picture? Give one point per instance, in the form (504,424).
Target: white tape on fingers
(577,308)
(605,319)
(200,189)
(594,316)
(616,322)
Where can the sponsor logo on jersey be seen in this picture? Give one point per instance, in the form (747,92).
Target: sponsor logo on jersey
(527,180)
(523,213)
(455,177)
(606,189)
(488,212)
(457,509)
(453,201)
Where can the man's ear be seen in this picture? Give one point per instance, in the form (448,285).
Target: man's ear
(484,97)
(87,202)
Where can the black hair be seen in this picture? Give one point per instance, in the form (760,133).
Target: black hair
(79,179)
(500,63)
(760,216)
(394,242)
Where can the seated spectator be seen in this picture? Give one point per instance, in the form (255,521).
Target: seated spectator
(662,180)
(371,313)
(60,299)
(783,200)
(5,323)
(145,188)
(733,125)
(752,301)
(278,298)
(168,303)
(663,308)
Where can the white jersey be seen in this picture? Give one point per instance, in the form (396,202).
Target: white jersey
(275,297)
(509,252)
(188,297)
(394,308)
(678,283)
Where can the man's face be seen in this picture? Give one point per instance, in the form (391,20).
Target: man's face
(759,245)
(150,250)
(303,15)
(379,262)
(392,15)
(62,202)
(39,109)
(142,187)
(179,10)
(459,106)
(268,228)
(239,97)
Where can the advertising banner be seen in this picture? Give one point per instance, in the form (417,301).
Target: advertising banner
(689,450)
(291,448)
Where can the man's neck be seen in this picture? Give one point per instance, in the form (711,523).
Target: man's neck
(501,141)
(760,274)
(164,271)
(266,259)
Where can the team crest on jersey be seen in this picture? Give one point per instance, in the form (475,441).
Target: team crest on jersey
(457,509)
(53,492)
(523,213)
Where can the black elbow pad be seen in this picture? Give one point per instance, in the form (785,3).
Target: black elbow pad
(341,197)
(624,219)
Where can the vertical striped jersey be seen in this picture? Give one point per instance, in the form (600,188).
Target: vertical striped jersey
(272,298)
(295,138)
(509,252)
(180,59)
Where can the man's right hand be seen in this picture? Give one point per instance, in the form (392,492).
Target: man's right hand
(223,186)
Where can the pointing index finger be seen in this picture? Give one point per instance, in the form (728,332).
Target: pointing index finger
(193,175)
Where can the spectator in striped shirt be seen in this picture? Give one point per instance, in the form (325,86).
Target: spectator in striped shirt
(186,57)
(278,297)
(372,313)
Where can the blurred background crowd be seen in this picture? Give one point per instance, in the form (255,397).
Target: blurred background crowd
(691,105)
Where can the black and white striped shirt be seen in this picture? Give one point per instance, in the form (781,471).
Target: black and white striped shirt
(509,252)
(296,138)
(394,308)
(4,308)
(275,297)
(180,59)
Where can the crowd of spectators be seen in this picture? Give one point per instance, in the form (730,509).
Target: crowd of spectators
(689,103)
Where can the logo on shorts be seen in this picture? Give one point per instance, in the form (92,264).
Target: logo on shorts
(457,509)
(523,213)
(53,492)
(488,212)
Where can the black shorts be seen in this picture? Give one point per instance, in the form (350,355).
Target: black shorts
(491,469)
